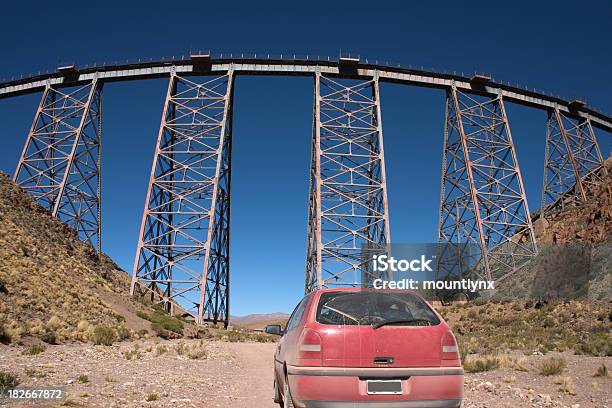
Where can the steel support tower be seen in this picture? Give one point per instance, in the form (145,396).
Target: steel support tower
(485,229)
(182,260)
(348,212)
(573,161)
(60,162)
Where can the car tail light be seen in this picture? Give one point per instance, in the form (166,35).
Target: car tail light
(310,348)
(449,349)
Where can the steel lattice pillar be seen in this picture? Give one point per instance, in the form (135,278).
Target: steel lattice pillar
(573,161)
(182,260)
(60,163)
(485,228)
(348,214)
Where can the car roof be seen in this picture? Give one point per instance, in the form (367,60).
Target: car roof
(354,289)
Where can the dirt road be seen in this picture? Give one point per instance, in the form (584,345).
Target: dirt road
(194,373)
(150,373)
(255,361)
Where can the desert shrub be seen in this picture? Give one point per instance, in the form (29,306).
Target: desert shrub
(180,348)
(123,333)
(552,366)
(161,321)
(142,315)
(566,385)
(132,355)
(152,397)
(196,353)
(54,323)
(82,379)
(480,364)
(161,350)
(49,337)
(479,302)
(464,346)
(34,373)
(602,371)
(8,380)
(103,335)
(32,351)
(264,338)
(193,351)
(599,345)
(5,338)
(83,325)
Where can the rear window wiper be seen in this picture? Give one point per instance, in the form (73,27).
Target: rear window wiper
(385,322)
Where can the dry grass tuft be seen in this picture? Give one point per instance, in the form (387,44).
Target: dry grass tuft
(566,385)
(552,366)
(34,373)
(82,379)
(34,350)
(480,364)
(193,351)
(132,355)
(152,397)
(160,350)
(103,335)
(602,371)
(8,380)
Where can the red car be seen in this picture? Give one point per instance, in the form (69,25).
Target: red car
(349,348)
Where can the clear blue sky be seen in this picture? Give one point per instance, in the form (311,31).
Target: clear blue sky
(553,46)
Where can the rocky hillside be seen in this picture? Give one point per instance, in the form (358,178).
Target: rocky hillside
(561,301)
(575,252)
(52,286)
(590,222)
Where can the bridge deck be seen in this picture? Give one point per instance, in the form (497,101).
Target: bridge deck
(297,67)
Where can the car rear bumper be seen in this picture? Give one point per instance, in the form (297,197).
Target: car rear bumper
(388,404)
(340,387)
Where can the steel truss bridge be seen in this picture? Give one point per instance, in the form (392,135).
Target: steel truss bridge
(183,254)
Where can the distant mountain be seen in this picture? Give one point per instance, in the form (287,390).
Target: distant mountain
(259,321)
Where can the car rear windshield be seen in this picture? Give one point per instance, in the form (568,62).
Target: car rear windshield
(374,308)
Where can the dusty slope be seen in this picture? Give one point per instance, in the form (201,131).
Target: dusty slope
(51,284)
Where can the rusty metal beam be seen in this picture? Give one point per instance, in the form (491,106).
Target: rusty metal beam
(60,162)
(572,162)
(348,211)
(483,202)
(182,260)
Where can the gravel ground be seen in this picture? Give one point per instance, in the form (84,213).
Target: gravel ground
(193,373)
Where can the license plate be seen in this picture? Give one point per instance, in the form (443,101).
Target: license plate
(384,386)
